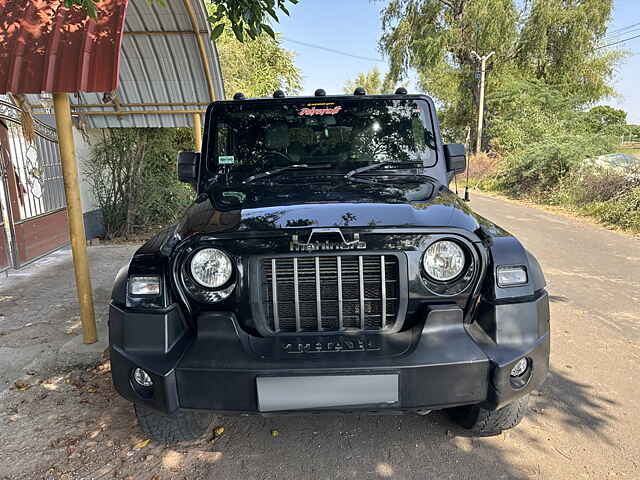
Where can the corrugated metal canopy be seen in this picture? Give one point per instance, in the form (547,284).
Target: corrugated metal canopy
(167,62)
(47,47)
(162,67)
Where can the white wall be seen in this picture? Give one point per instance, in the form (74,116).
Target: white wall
(83,153)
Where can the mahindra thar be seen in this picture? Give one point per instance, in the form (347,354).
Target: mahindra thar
(326,267)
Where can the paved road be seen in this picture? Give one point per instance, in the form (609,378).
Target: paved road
(584,422)
(39,309)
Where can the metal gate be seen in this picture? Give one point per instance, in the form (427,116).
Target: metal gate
(32,192)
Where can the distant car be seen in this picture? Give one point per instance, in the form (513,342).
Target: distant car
(324,267)
(619,162)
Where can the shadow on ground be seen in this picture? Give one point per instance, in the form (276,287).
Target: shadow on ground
(75,426)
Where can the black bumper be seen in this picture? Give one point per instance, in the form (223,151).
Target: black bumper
(440,363)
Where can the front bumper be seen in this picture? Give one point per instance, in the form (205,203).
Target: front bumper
(440,363)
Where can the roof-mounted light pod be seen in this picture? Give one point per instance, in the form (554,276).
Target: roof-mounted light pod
(401,91)
(359,91)
(239,96)
(320,93)
(278,94)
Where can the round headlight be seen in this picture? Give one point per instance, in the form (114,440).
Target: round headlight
(211,268)
(444,260)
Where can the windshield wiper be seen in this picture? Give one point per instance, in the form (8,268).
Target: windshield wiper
(277,171)
(375,166)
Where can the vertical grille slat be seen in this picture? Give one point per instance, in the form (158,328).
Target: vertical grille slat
(383,288)
(296,293)
(361,283)
(330,292)
(318,294)
(274,295)
(340,302)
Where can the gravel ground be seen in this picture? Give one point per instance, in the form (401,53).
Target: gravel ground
(583,423)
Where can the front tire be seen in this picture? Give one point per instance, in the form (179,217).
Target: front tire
(169,429)
(490,422)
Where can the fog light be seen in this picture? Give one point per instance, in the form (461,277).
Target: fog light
(520,367)
(142,378)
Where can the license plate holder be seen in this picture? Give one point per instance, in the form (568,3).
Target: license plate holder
(326,392)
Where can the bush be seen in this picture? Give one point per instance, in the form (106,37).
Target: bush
(132,176)
(537,170)
(482,166)
(594,184)
(622,211)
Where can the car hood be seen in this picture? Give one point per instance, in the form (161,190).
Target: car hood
(441,209)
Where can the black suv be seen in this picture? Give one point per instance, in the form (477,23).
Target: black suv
(325,266)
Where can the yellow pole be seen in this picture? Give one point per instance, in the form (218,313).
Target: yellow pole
(74,210)
(197,132)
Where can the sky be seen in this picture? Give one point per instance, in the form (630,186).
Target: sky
(353,26)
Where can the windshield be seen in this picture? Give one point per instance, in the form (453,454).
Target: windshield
(334,135)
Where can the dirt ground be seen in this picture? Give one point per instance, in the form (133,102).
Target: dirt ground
(583,423)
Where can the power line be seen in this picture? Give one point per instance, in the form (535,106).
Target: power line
(620,34)
(623,29)
(619,41)
(331,50)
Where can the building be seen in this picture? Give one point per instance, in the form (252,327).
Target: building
(167,73)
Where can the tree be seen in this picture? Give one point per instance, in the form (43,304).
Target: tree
(131,174)
(247,18)
(551,41)
(257,67)
(602,117)
(372,82)
(558,44)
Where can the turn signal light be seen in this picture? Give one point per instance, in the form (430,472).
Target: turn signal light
(511,276)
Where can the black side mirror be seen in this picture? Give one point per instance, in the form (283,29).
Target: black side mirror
(188,167)
(456,157)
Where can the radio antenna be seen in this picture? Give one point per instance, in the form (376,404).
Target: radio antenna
(466,184)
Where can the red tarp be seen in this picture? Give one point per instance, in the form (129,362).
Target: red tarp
(45,47)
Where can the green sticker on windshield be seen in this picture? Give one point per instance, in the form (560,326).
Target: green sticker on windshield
(226,160)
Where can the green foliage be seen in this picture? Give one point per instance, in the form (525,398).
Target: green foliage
(257,67)
(589,184)
(88,5)
(536,170)
(132,176)
(622,211)
(437,38)
(545,42)
(248,19)
(607,119)
(558,44)
(372,81)
(611,196)
(528,111)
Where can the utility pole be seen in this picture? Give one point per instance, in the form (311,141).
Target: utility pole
(483,67)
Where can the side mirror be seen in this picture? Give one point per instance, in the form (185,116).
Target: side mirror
(456,157)
(188,167)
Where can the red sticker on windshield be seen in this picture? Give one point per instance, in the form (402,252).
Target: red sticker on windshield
(319,111)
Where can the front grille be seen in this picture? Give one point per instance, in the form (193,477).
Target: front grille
(330,293)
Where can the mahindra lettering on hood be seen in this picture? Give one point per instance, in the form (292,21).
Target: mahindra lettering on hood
(325,265)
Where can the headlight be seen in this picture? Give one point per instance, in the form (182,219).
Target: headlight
(211,268)
(444,260)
